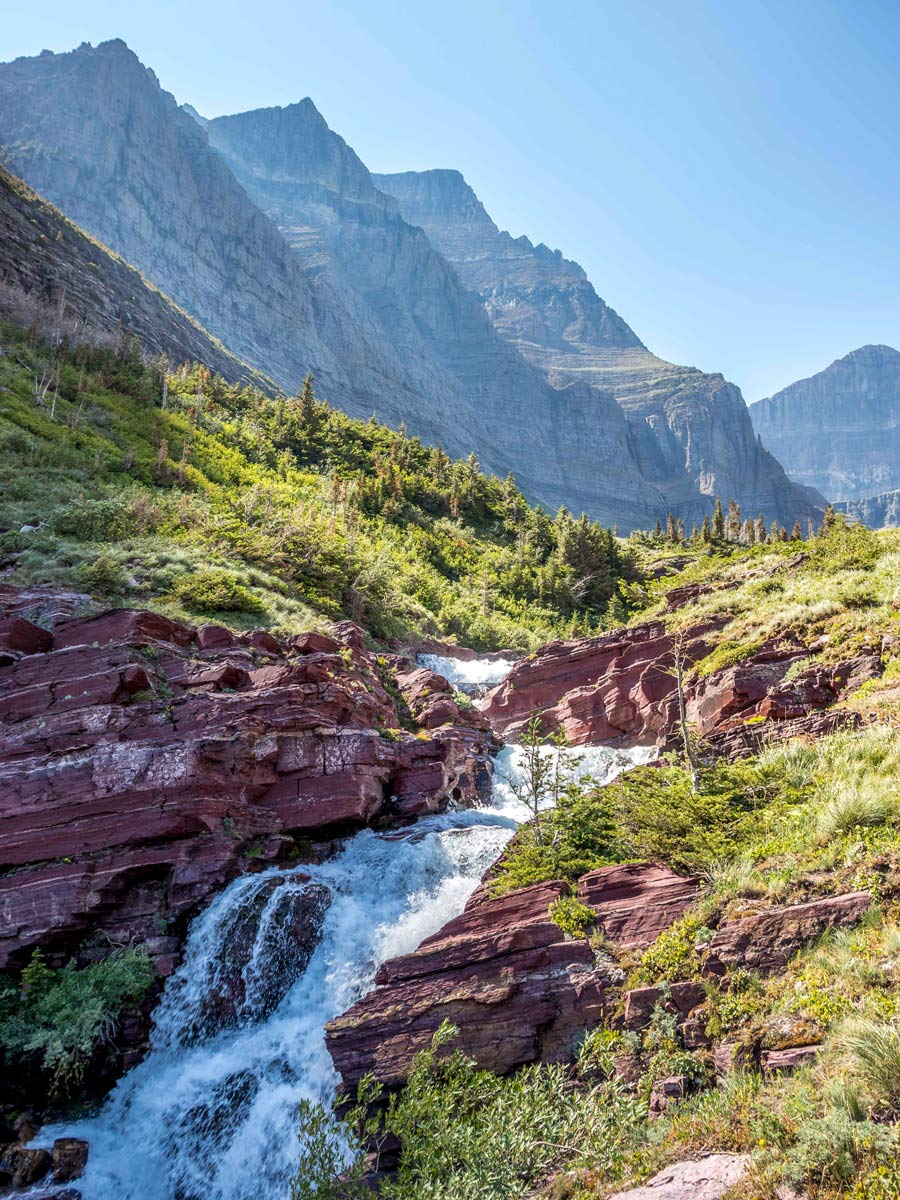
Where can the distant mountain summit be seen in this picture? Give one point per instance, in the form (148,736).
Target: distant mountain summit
(839,430)
(399,293)
(691,436)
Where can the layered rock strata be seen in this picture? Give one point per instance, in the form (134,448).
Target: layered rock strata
(145,763)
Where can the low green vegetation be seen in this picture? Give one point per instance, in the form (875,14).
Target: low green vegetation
(57,1018)
(143,483)
(794,822)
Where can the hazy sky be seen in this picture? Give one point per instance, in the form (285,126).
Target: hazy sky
(726,170)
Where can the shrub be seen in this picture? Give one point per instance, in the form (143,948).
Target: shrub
(102,577)
(572,917)
(61,1016)
(212,590)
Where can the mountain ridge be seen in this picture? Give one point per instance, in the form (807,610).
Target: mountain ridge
(839,429)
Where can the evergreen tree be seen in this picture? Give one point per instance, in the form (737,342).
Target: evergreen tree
(658,530)
(796,533)
(671,529)
(760,529)
(733,524)
(706,532)
(830,518)
(718,521)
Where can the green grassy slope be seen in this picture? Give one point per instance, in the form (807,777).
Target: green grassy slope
(201,498)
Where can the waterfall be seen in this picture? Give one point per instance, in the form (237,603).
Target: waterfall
(475,677)
(211,1112)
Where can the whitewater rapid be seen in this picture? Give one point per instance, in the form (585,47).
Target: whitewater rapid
(475,677)
(211,1112)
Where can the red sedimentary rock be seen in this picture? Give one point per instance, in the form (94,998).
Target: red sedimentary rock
(505,975)
(141,759)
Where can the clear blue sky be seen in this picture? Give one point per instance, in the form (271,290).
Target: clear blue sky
(727,171)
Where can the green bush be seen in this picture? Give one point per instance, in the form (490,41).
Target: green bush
(572,917)
(59,1017)
(212,590)
(102,577)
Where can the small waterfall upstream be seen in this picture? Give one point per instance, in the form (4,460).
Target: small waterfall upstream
(474,677)
(211,1112)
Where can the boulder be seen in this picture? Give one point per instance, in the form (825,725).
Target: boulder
(706,1178)
(679,998)
(766,941)
(778,1062)
(24,1165)
(69,1158)
(666,1092)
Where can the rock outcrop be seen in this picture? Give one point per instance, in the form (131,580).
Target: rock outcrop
(839,430)
(705,1178)
(53,273)
(688,432)
(145,763)
(766,941)
(619,688)
(504,974)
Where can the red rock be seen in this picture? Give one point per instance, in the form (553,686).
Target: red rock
(777,1062)
(504,974)
(259,640)
(767,940)
(121,625)
(635,902)
(616,688)
(23,637)
(131,783)
(315,643)
(430,699)
(729,1057)
(214,637)
(680,998)
(666,1092)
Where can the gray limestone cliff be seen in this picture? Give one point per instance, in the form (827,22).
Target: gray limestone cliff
(690,430)
(53,273)
(839,430)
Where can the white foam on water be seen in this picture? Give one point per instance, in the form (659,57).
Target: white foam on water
(211,1113)
(474,678)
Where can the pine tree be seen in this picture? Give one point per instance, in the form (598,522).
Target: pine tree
(733,524)
(796,533)
(748,533)
(718,521)
(830,518)
(658,530)
(760,529)
(307,409)
(671,529)
(706,532)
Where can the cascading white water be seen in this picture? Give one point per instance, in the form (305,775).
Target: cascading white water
(211,1113)
(474,677)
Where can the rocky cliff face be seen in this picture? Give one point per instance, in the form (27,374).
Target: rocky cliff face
(94,133)
(839,431)
(50,270)
(350,288)
(146,763)
(689,431)
(326,204)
